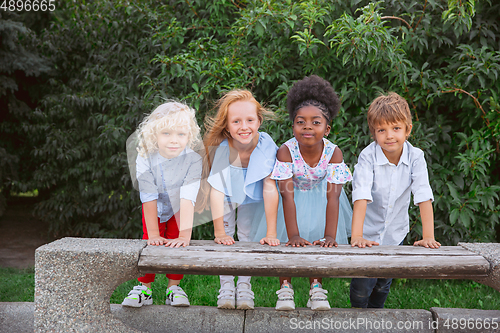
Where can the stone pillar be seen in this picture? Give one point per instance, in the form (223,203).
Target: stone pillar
(491,252)
(74,280)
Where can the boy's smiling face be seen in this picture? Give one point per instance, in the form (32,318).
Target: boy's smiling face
(171,142)
(391,138)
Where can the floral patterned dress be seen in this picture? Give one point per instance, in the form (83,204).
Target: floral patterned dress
(310,185)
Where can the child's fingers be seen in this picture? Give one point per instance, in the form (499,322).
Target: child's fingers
(228,241)
(155,242)
(178,244)
(270,241)
(434,245)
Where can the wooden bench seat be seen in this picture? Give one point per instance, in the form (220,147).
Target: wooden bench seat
(209,258)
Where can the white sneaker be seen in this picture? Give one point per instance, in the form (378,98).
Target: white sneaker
(244,296)
(226,296)
(318,299)
(176,297)
(139,296)
(285,298)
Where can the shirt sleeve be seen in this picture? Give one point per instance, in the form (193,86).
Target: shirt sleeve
(338,173)
(219,177)
(147,183)
(282,170)
(420,186)
(191,183)
(363,179)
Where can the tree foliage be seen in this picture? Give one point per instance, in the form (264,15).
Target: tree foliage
(113,61)
(21,73)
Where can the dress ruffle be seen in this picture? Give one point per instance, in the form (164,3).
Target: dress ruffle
(282,170)
(338,173)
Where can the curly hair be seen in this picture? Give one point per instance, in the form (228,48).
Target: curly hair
(170,115)
(315,91)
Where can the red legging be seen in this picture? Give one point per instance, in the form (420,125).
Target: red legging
(169,230)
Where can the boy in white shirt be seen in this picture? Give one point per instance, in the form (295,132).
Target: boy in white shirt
(387,171)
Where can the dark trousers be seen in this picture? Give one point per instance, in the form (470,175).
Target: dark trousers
(369,292)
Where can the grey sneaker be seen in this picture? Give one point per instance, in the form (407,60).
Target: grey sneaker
(139,296)
(318,299)
(226,296)
(244,296)
(285,298)
(176,297)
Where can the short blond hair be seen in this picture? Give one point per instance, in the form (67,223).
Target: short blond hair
(390,108)
(170,115)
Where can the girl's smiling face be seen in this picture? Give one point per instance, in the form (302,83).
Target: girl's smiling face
(243,122)
(171,142)
(310,126)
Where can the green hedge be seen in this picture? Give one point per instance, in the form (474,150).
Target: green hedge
(112,61)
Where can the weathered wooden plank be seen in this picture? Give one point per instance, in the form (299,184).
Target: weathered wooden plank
(216,259)
(246,247)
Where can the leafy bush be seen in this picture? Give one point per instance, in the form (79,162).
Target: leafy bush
(115,60)
(22,70)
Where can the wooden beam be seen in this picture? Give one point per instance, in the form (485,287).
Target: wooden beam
(208,258)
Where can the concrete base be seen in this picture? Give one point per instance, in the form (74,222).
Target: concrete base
(19,318)
(466,320)
(74,280)
(164,318)
(338,320)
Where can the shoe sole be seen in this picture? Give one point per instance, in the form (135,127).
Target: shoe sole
(245,306)
(180,305)
(167,302)
(285,306)
(137,305)
(226,305)
(319,307)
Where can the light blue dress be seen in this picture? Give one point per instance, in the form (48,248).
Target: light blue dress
(310,188)
(243,187)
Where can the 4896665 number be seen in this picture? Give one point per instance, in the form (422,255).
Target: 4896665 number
(28,5)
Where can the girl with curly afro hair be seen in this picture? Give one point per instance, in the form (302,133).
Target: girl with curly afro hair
(310,172)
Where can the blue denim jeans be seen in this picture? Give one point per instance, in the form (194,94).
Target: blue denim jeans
(369,292)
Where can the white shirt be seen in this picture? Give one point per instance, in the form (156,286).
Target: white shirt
(387,188)
(169,180)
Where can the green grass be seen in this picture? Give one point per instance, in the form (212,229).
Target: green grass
(18,286)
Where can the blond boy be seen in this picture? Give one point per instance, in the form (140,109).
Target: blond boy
(387,171)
